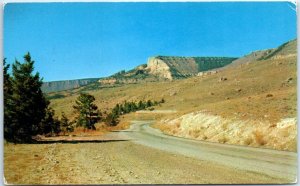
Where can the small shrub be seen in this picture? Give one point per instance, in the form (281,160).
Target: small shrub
(248,141)
(222,139)
(259,138)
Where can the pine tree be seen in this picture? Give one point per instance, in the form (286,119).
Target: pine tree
(111,119)
(149,103)
(7,92)
(141,105)
(87,110)
(65,124)
(132,106)
(49,124)
(126,107)
(116,110)
(29,103)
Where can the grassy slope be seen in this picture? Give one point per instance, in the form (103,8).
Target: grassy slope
(243,96)
(255,80)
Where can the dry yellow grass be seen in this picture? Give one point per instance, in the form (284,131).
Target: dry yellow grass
(259,91)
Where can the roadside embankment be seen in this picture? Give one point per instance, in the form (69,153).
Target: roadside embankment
(203,125)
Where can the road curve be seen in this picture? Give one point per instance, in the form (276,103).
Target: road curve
(277,164)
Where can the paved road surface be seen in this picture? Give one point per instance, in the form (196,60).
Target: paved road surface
(278,164)
(148,157)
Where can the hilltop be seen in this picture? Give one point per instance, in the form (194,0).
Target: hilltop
(284,50)
(159,68)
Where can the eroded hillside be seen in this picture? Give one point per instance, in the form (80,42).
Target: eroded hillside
(181,67)
(162,68)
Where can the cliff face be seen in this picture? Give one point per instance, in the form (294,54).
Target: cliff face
(181,67)
(158,67)
(54,86)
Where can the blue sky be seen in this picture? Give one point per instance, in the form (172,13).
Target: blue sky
(82,40)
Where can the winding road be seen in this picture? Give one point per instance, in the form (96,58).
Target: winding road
(277,164)
(144,155)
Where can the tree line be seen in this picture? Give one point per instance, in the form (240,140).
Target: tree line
(27,112)
(127,107)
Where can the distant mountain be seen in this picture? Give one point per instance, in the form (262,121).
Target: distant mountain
(167,68)
(181,67)
(159,68)
(285,50)
(54,86)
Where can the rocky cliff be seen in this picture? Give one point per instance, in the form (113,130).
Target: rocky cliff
(54,86)
(158,68)
(180,67)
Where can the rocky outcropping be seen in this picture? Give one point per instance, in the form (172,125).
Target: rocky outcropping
(180,67)
(158,67)
(54,86)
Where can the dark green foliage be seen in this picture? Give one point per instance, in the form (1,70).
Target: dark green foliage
(127,107)
(208,63)
(139,72)
(141,105)
(7,91)
(49,124)
(66,125)
(112,119)
(151,108)
(149,103)
(25,106)
(120,73)
(87,110)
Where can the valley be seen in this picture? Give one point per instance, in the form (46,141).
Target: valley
(253,103)
(243,112)
(150,93)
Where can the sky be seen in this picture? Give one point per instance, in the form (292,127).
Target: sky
(85,40)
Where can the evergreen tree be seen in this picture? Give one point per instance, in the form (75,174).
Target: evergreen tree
(66,126)
(87,110)
(132,106)
(116,110)
(49,124)
(149,103)
(29,104)
(111,119)
(141,105)
(126,107)
(7,92)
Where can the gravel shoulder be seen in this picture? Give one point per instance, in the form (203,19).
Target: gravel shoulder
(148,157)
(112,163)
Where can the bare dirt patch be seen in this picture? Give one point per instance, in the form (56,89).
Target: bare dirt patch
(111,163)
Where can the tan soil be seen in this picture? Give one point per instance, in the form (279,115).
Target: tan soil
(113,162)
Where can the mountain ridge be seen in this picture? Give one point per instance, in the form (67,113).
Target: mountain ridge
(168,68)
